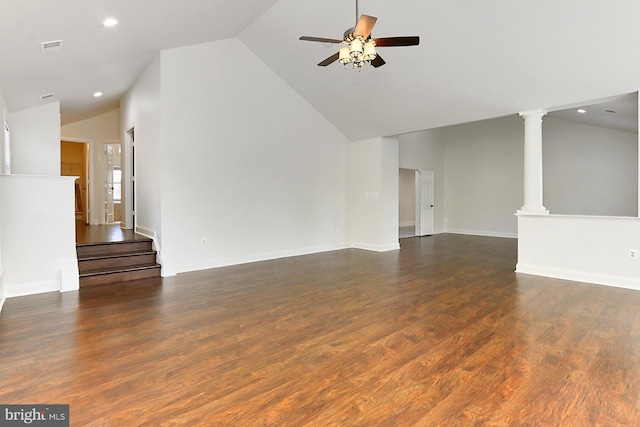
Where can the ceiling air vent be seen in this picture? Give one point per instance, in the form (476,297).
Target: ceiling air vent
(52,46)
(47,96)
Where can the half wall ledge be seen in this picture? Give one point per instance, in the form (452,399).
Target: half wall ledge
(591,249)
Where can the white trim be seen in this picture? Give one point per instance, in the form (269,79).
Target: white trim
(580,276)
(483,233)
(20,176)
(2,297)
(126,165)
(146,232)
(81,140)
(376,248)
(69,275)
(30,288)
(580,217)
(407,224)
(266,256)
(163,258)
(89,171)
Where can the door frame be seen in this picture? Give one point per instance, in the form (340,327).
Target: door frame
(105,166)
(91,191)
(128,167)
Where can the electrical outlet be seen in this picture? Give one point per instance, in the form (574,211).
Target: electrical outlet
(203,241)
(633,254)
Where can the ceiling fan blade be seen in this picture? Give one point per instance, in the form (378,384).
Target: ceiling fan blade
(320,39)
(333,58)
(378,62)
(398,41)
(365,25)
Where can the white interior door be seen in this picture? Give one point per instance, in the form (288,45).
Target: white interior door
(425,207)
(108,182)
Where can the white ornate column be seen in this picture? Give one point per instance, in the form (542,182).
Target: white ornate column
(533,163)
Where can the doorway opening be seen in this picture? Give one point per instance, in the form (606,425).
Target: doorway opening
(74,161)
(112,183)
(416,203)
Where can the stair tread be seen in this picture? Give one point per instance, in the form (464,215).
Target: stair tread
(145,240)
(115,255)
(112,270)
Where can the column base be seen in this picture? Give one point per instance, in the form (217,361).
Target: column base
(532,212)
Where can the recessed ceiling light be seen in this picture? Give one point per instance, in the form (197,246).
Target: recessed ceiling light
(97,94)
(110,22)
(581,111)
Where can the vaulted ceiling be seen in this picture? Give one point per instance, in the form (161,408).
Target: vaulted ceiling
(476,60)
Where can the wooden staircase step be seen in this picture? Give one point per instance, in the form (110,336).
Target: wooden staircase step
(97,249)
(104,263)
(117,275)
(128,259)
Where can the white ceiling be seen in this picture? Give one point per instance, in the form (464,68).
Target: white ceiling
(476,60)
(619,112)
(94,58)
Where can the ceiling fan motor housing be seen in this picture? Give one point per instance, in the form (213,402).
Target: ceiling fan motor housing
(350,36)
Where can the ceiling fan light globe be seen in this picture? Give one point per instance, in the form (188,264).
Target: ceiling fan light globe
(344,55)
(369,52)
(356,48)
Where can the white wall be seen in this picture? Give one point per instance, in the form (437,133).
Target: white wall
(389,170)
(35,140)
(3,108)
(484,176)
(141,109)
(98,130)
(364,193)
(589,170)
(37,257)
(425,151)
(373,194)
(38,234)
(586,249)
(244,161)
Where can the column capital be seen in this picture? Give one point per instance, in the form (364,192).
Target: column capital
(537,113)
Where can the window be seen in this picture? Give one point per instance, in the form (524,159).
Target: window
(117,185)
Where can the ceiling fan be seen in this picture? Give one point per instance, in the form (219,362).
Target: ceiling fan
(359,47)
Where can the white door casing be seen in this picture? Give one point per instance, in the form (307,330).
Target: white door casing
(108,183)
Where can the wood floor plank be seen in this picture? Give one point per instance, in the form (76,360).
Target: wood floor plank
(442,332)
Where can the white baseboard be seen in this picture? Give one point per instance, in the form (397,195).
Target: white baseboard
(147,232)
(376,248)
(482,233)
(2,297)
(207,264)
(407,224)
(435,232)
(580,276)
(165,259)
(30,288)
(69,275)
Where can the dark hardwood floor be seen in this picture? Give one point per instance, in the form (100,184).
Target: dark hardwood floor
(103,233)
(441,333)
